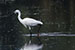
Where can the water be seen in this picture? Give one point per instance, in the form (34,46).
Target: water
(52,34)
(55,42)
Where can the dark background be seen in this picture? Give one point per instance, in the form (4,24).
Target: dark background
(57,16)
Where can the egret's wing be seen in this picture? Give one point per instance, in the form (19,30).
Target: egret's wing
(31,22)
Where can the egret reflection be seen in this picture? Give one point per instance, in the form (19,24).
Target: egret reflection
(31,47)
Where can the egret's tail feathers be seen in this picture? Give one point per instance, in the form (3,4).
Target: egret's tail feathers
(40,22)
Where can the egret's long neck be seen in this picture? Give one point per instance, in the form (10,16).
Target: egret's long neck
(19,16)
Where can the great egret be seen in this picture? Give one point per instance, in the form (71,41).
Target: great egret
(28,22)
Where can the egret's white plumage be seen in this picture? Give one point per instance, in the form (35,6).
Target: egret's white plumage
(27,21)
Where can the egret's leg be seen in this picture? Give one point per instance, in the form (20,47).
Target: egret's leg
(38,34)
(39,30)
(29,28)
(30,33)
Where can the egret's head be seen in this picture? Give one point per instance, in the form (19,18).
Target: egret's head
(16,11)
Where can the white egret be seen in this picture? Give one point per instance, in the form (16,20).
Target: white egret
(28,22)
